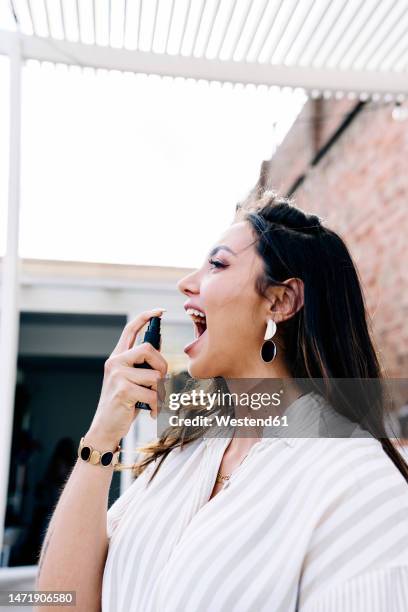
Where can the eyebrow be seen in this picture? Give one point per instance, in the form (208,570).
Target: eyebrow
(215,250)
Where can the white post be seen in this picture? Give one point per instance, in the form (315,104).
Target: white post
(9,313)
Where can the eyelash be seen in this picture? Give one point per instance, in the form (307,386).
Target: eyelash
(216,263)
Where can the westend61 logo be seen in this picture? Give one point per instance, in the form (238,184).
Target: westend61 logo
(196,398)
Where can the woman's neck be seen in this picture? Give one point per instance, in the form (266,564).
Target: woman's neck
(258,369)
(269,379)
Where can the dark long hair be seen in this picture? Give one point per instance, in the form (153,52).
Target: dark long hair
(328,338)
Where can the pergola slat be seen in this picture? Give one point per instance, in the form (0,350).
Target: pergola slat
(282,33)
(335,41)
(226,26)
(240,31)
(329,28)
(314,30)
(269,27)
(386,36)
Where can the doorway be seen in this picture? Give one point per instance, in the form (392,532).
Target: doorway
(60,373)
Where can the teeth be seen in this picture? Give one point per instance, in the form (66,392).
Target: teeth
(197,313)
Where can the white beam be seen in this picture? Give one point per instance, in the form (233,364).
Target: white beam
(9,313)
(309,78)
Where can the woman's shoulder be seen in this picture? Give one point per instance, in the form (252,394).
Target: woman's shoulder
(339,469)
(359,529)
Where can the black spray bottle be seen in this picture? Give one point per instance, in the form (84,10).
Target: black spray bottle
(152,335)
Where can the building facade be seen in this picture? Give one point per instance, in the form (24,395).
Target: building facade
(345,161)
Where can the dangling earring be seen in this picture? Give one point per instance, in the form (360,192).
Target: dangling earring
(268,350)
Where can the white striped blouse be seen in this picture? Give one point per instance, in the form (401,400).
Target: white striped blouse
(304,524)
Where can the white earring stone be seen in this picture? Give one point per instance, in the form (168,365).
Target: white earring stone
(270,329)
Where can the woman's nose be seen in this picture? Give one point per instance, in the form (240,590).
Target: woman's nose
(189,284)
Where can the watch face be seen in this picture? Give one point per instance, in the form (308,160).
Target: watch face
(85,453)
(106,458)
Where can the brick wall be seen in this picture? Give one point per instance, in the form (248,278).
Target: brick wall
(360,188)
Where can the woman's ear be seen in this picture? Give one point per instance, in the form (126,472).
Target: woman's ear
(285,301)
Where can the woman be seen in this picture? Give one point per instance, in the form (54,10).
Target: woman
(279,523)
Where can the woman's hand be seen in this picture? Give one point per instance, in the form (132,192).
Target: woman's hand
(123,385)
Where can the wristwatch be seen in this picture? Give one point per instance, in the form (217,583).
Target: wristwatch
(88,453)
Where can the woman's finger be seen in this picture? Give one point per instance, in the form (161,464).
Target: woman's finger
(144,352)
(131,329)
(142,376)
(140,393)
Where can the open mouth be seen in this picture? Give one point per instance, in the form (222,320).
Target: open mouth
(199,321)
(200,327)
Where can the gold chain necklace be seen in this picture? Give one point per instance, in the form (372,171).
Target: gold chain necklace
(222,477)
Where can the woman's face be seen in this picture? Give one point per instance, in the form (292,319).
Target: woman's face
(230,335)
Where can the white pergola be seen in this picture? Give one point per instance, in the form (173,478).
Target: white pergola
(358,47)
(352,48)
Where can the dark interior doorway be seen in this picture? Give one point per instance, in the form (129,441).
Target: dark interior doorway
(56,398)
